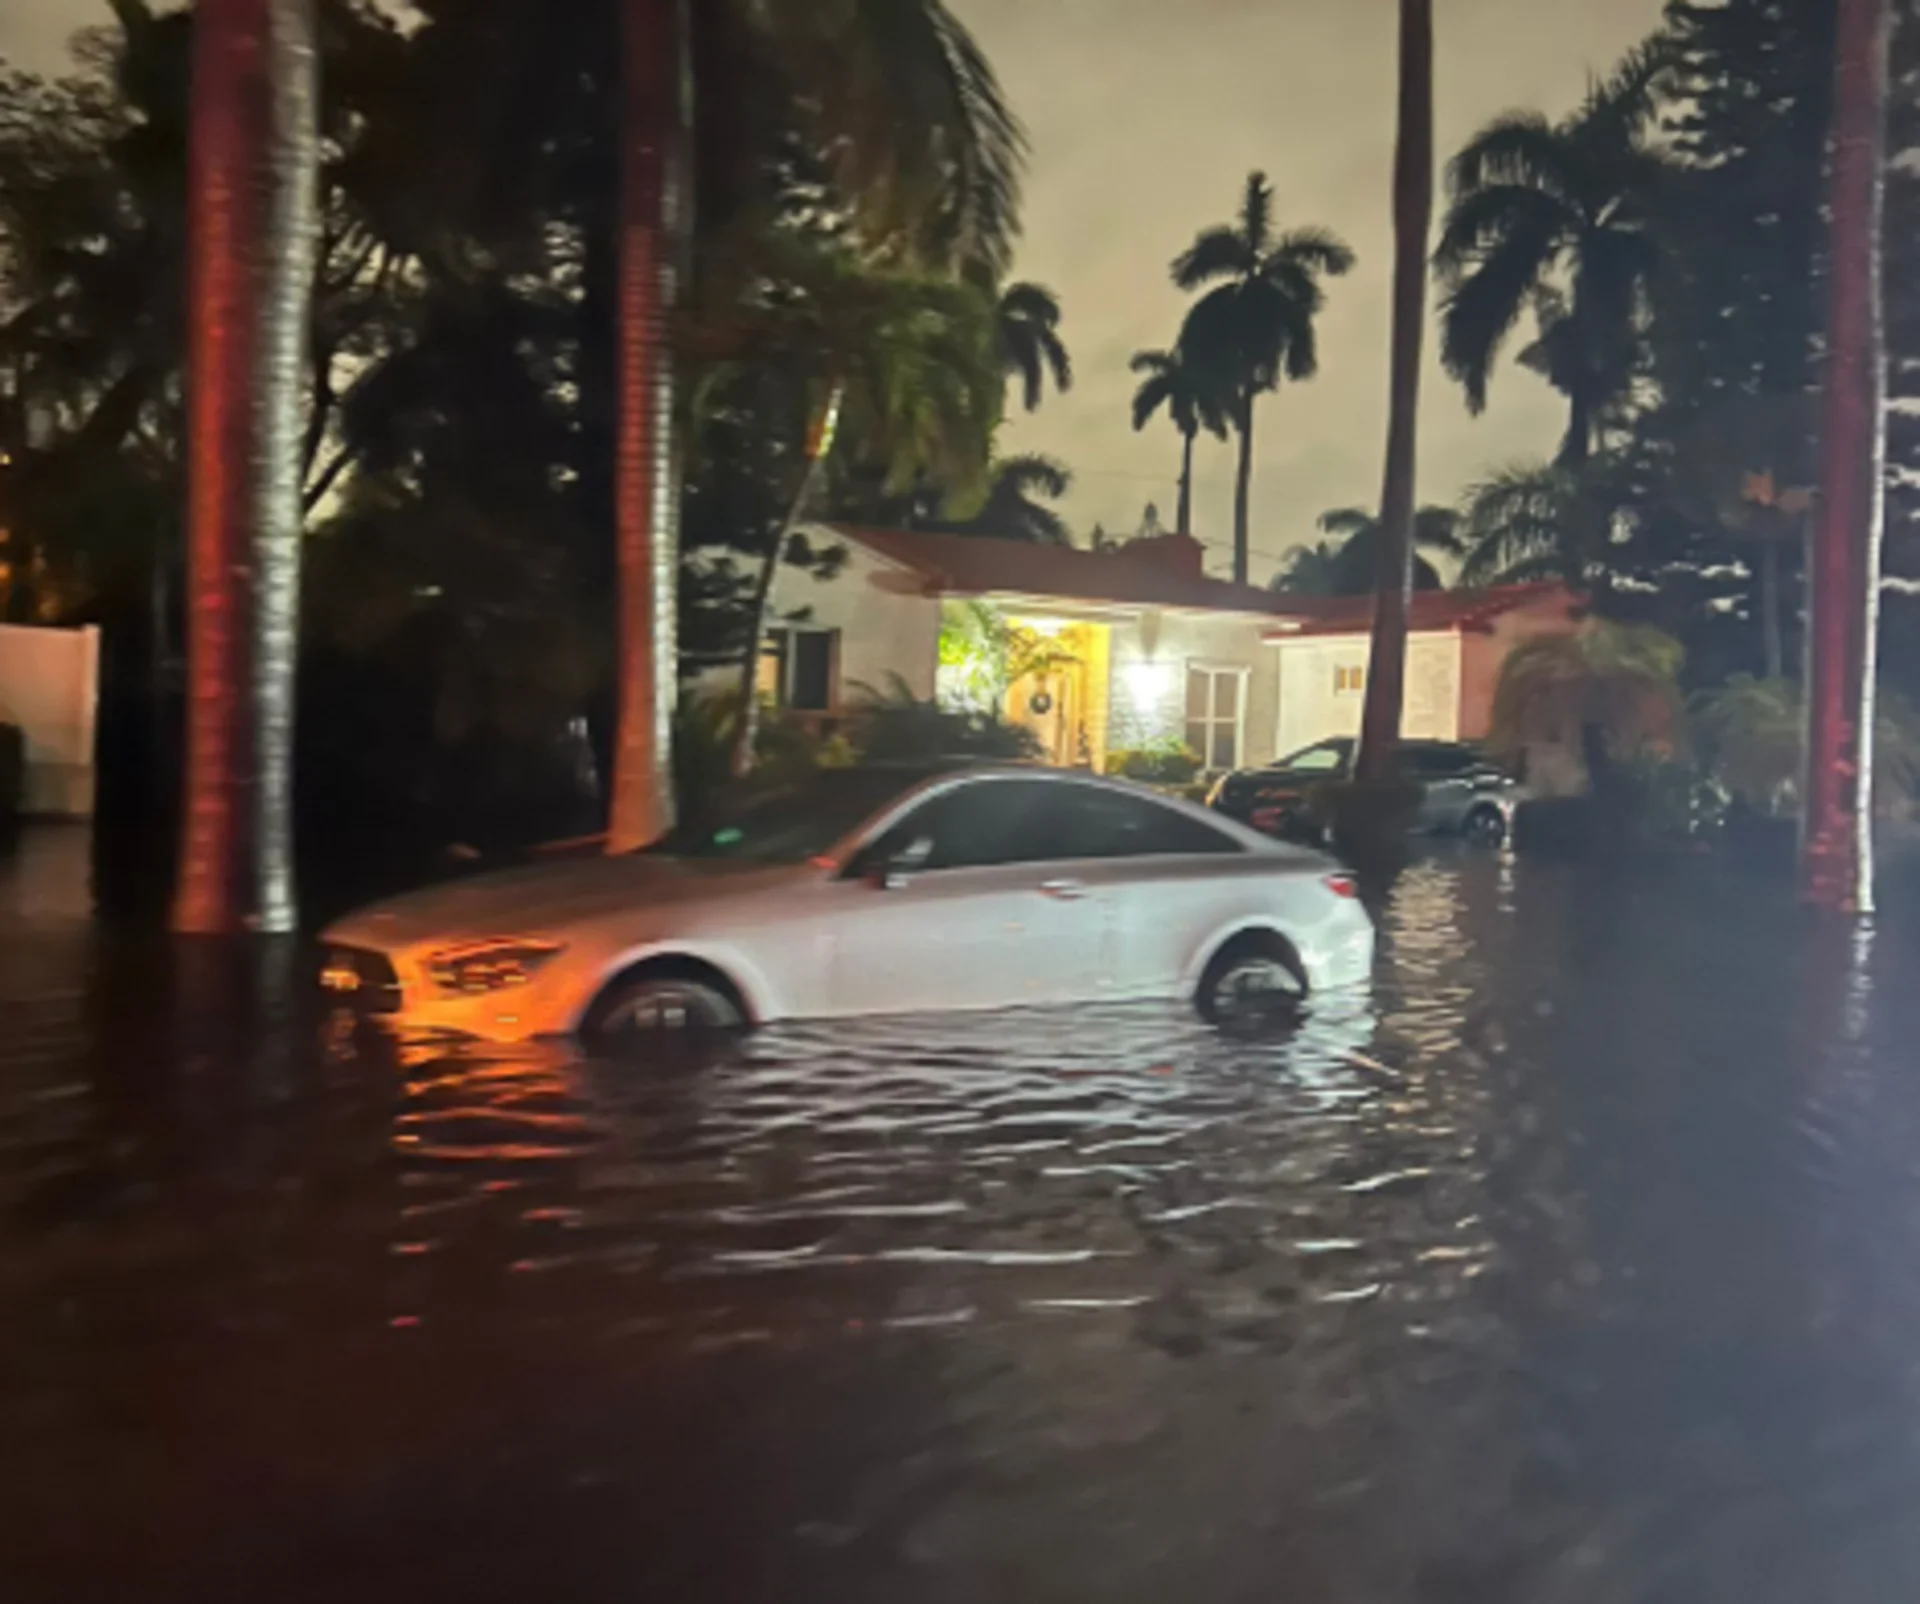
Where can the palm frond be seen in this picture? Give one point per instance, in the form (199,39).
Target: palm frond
(1030,344)
(1155,392)
(1313,250)
(1621,105)
(925,150)
(1438,529)
(1483,306)
(1479,223)
(1520,147)
(1345,520)
(1033,474)
(1216,253)
(1518,524)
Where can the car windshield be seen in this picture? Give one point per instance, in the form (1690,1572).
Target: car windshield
(786,825)
(1329,757)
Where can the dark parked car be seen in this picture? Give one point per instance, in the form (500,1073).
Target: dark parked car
(1463,792)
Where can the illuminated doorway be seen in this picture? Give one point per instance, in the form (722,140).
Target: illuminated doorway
(1060,688)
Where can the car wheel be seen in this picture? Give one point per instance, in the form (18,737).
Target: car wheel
(651,1006)
(1485,826)
(1250,982)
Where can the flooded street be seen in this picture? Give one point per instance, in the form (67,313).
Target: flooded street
(1580,1262)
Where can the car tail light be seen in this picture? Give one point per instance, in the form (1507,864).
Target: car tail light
(1343,885)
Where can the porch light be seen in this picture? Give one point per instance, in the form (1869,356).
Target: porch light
(1147,682)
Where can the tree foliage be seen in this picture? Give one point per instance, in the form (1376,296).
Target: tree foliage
(1348,565)
(859,174)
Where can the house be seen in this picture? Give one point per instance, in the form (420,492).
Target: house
(1098,652)
(49,691)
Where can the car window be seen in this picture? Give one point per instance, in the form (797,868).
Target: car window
(1327,758)
(1437,762)
(787,824)
(986,823)
(969,826)
(1087,821)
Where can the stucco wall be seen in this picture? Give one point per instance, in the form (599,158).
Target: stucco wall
(1150,659)
(49,687)
(883,631)
(1486,654)
(1314,708)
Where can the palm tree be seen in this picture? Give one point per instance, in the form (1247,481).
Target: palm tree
(1314,570)
(925,155)
(1171,382)
(1011,510)
(251,246)
(1837,857)
(1553,218)
(1256,321)
(908,360)
(1357,558)
(1030,346)
(655,150)
(1379,753)
(1532,521)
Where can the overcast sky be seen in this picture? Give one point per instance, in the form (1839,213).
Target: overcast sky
(1145,118)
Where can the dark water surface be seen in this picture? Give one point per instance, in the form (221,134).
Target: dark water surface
(1580,1263)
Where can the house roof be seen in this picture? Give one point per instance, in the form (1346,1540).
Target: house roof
(1159,573)
(1472,611)
(1165,573)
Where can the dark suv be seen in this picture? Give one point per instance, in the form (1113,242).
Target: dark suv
(1463,792)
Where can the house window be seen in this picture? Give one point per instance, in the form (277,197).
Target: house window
(1215,705)
(1349,681)
(798,667)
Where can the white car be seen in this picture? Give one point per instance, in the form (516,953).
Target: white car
(865,891)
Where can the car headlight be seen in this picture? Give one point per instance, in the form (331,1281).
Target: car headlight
(482,966)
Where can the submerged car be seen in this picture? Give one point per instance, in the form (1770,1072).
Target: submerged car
(868,890)
(1462,791)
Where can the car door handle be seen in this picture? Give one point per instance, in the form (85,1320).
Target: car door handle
(1063,890)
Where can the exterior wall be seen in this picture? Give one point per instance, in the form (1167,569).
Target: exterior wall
(1431,709)
(1314,708)
(1485,655)
(885,629)
(1150,658)
(50,688)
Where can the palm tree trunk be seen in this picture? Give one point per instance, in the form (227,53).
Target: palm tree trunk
(1837,853)
(1242,490)
(1773,642)
(819,442)
(251,261)
(1412,219)
(1578,444)
(1184,520)
(654,218)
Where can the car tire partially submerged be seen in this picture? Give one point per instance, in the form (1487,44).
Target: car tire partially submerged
(1255,979)
(1486,826)
(646,1007)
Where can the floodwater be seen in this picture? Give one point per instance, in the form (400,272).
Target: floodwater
(1578,1264)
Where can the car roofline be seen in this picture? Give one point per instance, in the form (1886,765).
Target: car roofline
(848,846)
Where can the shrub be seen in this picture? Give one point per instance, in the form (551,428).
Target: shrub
(1163,762)
(899,726)
(1751,733)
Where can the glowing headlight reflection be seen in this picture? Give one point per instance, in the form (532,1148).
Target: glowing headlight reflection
(486,966)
